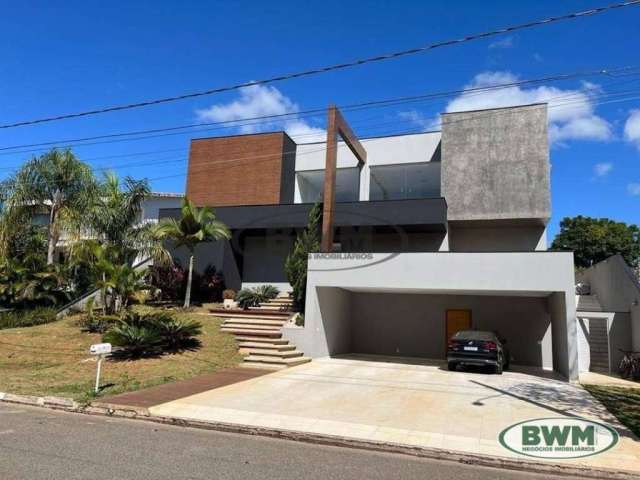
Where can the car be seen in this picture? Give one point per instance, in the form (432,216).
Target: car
(479,348)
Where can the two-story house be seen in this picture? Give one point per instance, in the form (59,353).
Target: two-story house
(423,234)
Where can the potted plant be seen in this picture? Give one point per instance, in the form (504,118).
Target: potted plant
(229,299)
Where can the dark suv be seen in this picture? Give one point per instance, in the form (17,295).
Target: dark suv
(475,347)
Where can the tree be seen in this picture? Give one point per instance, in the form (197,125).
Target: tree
(595,239)
(56,183)
(115,217)
(196,225)
(295,266)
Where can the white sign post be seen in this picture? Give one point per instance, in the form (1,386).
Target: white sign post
(101,350)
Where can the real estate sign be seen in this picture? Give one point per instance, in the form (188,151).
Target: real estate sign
(561,437)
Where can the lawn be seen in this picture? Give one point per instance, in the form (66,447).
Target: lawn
(53,359)
(624,403)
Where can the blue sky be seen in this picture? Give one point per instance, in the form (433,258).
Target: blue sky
(74,56)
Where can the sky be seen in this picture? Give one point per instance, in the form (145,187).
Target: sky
(64,57)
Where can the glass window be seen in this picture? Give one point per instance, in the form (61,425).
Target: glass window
(311,185)
(404,181)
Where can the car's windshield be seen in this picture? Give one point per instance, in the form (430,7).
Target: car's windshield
(474,335)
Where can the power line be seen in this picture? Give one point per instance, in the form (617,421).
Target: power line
(569,98)
(334,67)
(256,120)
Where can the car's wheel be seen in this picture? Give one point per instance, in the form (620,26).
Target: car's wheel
(452,366)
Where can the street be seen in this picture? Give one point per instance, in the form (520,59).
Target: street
(38,444)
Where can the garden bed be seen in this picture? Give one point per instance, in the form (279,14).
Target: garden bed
(53,359)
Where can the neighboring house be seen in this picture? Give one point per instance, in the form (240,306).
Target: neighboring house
(430,233)
(150,214)
(608,315)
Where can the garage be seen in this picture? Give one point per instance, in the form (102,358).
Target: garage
(410,304)
(419,324)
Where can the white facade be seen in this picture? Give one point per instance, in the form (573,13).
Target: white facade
(383,151)
(534,290)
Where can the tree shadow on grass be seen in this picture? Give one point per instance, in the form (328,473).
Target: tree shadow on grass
(124,354)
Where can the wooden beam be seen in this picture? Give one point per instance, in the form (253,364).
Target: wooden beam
(345,132)
(329,197)
(336,125)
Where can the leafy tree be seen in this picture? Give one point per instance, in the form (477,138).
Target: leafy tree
(196,225)
(295,266)
(56,184)
(595,239)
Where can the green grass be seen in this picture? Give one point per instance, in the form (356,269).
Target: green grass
(53,359)
(623,402)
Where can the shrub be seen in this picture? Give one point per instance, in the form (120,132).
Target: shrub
(229,294)
(97,323)
(135,340)
(209,285)
(170,280)
(147,332)
(27,318)
(252,297)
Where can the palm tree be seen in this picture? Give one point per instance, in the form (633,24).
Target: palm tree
(196,225)
(101,265)
(115,216)
(56,183)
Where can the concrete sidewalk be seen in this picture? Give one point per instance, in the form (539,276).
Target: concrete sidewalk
(418,404)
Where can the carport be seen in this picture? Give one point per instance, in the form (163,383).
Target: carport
(418,324)
(400,305)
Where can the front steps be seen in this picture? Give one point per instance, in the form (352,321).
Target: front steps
(258,332)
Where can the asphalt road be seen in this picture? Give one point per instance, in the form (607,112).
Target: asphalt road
(38,444)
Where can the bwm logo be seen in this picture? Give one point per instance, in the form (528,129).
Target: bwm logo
(558,438)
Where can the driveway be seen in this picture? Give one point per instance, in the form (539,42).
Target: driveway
(406,401)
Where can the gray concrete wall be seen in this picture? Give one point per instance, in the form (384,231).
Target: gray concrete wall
(495,274)
(564,334)
(415,324)
(329,332)
(617,289)
(495,164)
(264,258)
(497,238)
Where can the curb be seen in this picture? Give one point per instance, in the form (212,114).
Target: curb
(139,413)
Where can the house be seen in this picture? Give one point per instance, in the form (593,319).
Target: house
(423,234)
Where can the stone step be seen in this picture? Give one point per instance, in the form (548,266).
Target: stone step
(281,347)
(249,314)
(262,340)
(254,321)
(289,362)
(252,332)
(263,366)
(265,352)
(269,328)
(269,308)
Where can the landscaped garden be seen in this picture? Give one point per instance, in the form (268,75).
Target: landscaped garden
(66,234)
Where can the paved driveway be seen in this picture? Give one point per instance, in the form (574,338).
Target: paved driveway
(408,402)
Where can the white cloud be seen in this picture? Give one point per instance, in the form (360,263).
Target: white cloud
(257,101)
(602,169)
(506,42)
(571,112)
(424,123)
(633,189)
(632,128)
